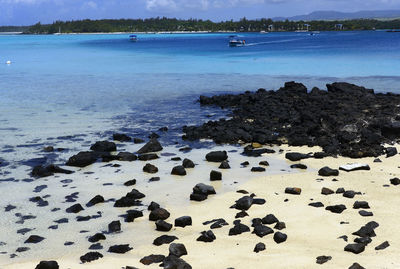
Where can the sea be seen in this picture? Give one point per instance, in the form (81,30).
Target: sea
(68,91)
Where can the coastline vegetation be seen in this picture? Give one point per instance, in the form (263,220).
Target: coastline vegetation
(176,25)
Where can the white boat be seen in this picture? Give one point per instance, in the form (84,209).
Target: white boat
(235,41)
(133,38)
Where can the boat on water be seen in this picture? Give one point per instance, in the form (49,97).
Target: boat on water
(314,33)
(235,41)
(133,38)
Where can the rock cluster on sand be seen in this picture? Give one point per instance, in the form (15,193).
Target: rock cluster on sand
(346,119)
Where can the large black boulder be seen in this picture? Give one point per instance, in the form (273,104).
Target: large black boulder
(121,137)
(49,170)
(152,146)
(47,265)
(104,146)
(216,156)
(83,158)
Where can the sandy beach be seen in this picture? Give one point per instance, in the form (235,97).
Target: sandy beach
(311,232)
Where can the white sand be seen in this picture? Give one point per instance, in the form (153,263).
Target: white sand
(311,231)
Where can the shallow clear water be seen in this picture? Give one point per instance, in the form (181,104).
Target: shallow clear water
(61,85)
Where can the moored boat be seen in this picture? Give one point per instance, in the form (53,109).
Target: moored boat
(133,38)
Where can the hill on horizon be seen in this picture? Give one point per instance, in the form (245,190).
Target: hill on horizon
(337,15)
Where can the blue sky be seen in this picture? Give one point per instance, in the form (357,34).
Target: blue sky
(26,12)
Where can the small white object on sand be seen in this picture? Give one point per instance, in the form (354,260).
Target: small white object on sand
(354,167)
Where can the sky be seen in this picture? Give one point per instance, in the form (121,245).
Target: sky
(28,12)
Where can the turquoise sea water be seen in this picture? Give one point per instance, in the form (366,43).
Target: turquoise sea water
(61,85)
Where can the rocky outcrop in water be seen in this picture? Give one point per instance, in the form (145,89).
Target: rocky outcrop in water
(346,119)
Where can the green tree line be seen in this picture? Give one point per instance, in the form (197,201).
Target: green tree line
(171,24)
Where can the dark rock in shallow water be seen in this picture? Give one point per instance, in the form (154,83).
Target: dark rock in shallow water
(264,163)
(91,256)
(382,246)
(126,157)
(349,194)
(356,266)
(163,226)
(96,246)
(203,189)
(177,250)
(114,226)
(97,237)
(363,240)
(127,202)
(183,221)
(121,137)
(152,146)
(22,249)
(340,190)
(172,262)
(130,182)
(159,214)
(120,249)
(164,239)
(49,170)
(104,146)
(138,140)
(258,201)
(215,175)
(355,248)
(76,208)
(152,259)
(258,169)
(224,165)
(34,239)
(47,265)
(316,204)
(367,230)
(216,223)
(326,172)
(206,236)
(178,170)
(280,237)
(95,200)
(295,156)
(298,166)
(83,158)
(148,157)
(186,163)
(216,156)
(323,259)
(259,247)
(295,191)
(336,208)
(280,225)
(149,168)
(241,214)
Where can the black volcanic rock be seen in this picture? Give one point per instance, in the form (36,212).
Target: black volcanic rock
(224,165)
(152,259)
(95,200)
(382,246)
(206,236)
(215,175)
(346,119)
(97,237)
(395,181)
(91,256)
(244,203)
(323,259)
(177,250)
(356,266)
(104,146)
(163,226)
(295,156)
(259,247)
(355,248)
(121,137)
(126,157)
(293,190)
(133,214)
(183,221)
(262,230)
(152,146)
(360,204)
(269,219)
(49,170)
(76,208)
(280,237)
(34,239)
(114,226)
(216,156)
(164,239)
(186,163)
(326,172)
(159,214)
(120,249)
(178,170)
(148,157)
(336,208)
(149,168)
(83,158)
(171,262)
(238,228)
(47,265)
